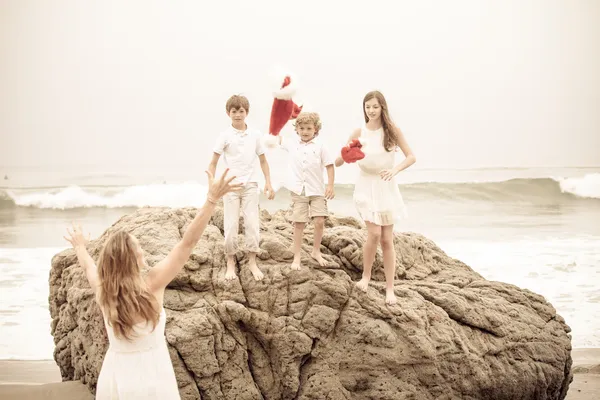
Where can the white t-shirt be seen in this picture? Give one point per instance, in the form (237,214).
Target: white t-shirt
(307,165)
(240,150)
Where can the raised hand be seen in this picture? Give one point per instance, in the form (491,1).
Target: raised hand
(218,188)
(76,237)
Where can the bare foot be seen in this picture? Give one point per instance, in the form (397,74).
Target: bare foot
(296,264)
(390,297)
(256,272)
(363,284)
(230,272)
(316,254)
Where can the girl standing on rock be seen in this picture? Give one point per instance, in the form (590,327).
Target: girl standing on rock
(376,194)
(137,364)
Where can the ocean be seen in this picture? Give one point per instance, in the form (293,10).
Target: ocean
(538,228)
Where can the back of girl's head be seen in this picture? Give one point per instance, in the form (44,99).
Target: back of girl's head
(118,259)
(123,295)
(390,137)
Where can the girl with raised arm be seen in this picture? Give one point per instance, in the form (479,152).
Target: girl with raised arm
(137,364)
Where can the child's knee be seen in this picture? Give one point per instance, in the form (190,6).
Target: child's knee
(374,234)
(387,242)
(300,225)
(319,222)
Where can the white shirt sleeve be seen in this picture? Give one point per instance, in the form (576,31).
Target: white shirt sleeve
(221,144)
(326,157)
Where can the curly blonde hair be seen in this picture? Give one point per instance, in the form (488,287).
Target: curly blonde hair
(309,118)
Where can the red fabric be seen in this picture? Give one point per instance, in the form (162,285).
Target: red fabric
(282,111)
(280,114)
(352,152)
(296,111)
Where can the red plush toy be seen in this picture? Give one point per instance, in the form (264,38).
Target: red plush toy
(352,151)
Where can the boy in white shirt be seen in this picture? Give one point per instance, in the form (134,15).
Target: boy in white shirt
(308,160)
(241,147)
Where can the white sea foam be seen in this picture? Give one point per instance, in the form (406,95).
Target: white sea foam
(24,313)
(585,186)
(188,194)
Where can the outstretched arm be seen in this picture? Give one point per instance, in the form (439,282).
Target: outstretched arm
(340,161)
(78,241)
(164,272)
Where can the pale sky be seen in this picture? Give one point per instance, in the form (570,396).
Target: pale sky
(511,83)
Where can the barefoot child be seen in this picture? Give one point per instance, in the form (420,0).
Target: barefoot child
(376,194)
(308,160)
(241,147)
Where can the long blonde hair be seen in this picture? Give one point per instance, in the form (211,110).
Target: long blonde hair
(390,138)
(123,295)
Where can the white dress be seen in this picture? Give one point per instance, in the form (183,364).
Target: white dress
(138,369)
(377,201)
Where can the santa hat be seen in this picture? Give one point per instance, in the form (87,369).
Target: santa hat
(284,107)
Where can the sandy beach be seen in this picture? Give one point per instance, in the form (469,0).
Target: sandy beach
(28,380)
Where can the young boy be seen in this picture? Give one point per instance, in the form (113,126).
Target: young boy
(240,147)
(308,159)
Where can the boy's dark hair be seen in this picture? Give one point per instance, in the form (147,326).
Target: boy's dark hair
(236,102)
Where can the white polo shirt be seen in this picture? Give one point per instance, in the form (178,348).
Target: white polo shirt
(306,165)
(240,150)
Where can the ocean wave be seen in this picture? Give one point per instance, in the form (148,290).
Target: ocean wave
(524,189)
(189,194)
(193,194)
(587,186)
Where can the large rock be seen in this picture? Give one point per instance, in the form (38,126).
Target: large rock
(310,334)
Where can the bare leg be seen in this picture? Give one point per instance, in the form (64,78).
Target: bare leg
(319,223)
(369,251)
(389,262)
(230,273)
(256,272)
(298,232)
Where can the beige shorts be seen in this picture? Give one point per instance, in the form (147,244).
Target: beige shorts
(306,207)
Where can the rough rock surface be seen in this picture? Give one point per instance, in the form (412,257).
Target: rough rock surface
(310,334)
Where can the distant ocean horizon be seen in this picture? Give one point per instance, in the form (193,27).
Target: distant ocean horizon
(537,228)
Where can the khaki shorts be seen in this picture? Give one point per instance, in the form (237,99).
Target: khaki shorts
(306,207)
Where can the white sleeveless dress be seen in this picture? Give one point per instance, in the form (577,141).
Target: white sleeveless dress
(138,369)
(377,201)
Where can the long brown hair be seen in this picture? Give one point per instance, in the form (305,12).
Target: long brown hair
(390,138)
(123,294)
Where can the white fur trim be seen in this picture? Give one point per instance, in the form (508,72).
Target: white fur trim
(288,92)
(270,140)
